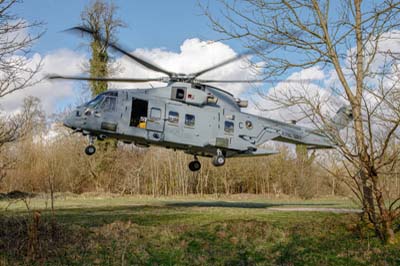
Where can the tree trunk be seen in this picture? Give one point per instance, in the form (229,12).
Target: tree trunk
(389,233)
(368,197)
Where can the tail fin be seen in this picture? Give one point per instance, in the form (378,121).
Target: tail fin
(343,117)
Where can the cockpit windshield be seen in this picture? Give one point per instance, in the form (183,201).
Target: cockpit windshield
(94,102)
(109,98)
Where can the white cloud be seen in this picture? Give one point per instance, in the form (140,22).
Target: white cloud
(51,93)
(194,55)
(311,88)
(312,73)
(326,88)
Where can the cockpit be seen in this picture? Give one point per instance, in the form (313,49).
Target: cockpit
(106,101)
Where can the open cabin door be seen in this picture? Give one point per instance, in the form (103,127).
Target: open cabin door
(156,120)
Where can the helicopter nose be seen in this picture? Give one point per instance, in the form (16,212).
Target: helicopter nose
(69,120)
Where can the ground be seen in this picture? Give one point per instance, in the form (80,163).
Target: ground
(235,230)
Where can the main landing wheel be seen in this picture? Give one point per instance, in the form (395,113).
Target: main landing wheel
(194,166)
(90,150)
(218,160)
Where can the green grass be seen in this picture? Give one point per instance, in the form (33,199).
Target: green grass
(193,231)
(247,201)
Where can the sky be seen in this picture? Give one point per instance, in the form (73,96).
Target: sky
(174,34)
(149,24)
(166,32)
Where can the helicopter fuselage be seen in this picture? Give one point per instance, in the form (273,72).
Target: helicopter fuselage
(199,119)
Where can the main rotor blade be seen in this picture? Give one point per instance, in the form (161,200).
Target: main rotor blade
(227,81)
(136,58)
(254,81)
(132,80)
(223,63)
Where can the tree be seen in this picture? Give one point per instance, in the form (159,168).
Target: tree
(30,120)
(344,37)
(16,72)
(14,127)
(100,18)
(15,44)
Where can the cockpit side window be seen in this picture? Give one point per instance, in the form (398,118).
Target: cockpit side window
(111,93)
(109,104)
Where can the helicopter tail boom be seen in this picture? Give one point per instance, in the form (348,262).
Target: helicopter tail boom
(258,152)
(342,117)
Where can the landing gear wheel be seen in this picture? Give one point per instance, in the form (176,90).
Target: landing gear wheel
(218,160)
(194,166)
(90,150)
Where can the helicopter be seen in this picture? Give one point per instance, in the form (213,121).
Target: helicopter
(187,114)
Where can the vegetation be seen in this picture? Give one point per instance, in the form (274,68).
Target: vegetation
(17,72)
(16,37)
(54,229)
(100,18)
(159,172)
(145,231)
(346,38)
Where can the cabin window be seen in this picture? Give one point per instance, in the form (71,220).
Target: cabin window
(109,104)
(229,127)
(173,117)
(180,94)
(155,113)
(189,120)
(249,124)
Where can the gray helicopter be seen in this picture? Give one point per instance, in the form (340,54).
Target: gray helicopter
(187,115)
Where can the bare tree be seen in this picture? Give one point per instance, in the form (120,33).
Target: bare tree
(343,37)
(16,70)
(16,126)
(15,42)
(13,128)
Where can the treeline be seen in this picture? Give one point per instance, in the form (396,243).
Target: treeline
(54,161)
(44,163)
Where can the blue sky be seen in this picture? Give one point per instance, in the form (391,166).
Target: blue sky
(174,34)
(150,23)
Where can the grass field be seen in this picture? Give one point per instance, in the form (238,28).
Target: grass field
(237,230)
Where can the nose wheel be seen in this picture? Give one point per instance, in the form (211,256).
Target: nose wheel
(195,165)
(90,149)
